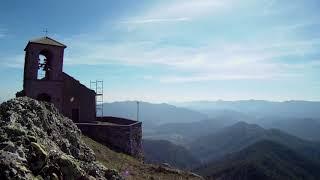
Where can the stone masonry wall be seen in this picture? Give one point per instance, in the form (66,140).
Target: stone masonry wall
(136,139)
(121,138)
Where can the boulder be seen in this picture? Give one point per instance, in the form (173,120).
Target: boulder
(37,142)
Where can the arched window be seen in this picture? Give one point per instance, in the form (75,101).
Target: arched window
(43,65)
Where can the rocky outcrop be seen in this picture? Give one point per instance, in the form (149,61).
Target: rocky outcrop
(37,142)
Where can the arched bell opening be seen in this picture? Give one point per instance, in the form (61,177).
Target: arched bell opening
(44,65)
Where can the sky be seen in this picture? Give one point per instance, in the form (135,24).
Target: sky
(173,50)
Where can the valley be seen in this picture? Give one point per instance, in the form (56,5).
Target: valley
(224,140)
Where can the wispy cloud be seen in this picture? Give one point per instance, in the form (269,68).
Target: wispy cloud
(189,41)
(268,6)
(211,61)
(3,32)
(178,11)
(192,8)
(216,61)
(224,77)
(183,10)
(275,7)
(297,26)
(15,61)
(160,20)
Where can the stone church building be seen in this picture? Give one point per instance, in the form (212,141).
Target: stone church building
(45,80)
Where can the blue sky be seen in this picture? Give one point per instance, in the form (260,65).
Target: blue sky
(173,50)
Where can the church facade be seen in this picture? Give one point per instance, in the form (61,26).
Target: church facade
(45,80)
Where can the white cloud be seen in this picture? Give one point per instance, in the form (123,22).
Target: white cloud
(212,62)
(294,27)
(188,8)
(276,7)
(179,11)
(148,77)
(159,20)
(3,33)
(224,77)
(15,61)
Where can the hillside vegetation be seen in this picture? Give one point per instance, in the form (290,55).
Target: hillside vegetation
(241,135)
(264,160)
(133,169)
(162,151)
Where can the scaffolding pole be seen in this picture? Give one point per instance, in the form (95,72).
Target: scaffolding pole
(97,86)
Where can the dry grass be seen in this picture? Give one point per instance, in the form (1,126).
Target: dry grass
(133,169)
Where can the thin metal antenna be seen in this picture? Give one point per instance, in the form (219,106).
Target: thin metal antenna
(138,110)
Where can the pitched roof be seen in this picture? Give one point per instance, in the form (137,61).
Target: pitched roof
(67,76)
(48,41)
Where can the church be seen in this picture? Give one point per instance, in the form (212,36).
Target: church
(45,80)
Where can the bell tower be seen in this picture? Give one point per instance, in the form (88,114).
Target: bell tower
(43,70)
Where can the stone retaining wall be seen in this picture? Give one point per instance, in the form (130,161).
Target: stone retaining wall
(122,135)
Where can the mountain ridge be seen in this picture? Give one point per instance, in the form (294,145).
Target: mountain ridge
(265,160)
(240,135)
(152,114)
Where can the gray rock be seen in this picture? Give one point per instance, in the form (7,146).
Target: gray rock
(37,142)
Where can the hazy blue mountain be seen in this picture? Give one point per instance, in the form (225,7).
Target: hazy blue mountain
(304,128)
(259,108)
(228,115)
(263,160)
(241,135)
(161,151)
(184,133)
(299,118)
(152,114)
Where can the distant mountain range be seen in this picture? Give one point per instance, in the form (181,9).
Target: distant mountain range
(161,151)
(181,125)
(263,160)
(152,114)
(259,108)
(184,133)
(304,128)
(241,135)
(232,140)
(241,151)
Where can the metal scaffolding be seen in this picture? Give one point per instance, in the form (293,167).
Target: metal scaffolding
(97,86)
